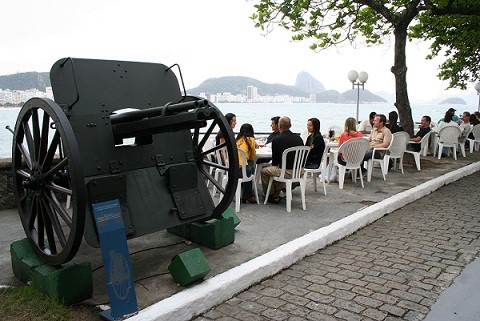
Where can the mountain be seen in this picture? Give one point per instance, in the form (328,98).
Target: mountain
(238,85)
(453,101)
(390,97)
(350,96)
(308,83)
(305,85)
(25,81)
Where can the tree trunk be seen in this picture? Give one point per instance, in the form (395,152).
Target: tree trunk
(399,69)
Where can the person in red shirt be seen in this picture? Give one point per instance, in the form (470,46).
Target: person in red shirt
(349,132)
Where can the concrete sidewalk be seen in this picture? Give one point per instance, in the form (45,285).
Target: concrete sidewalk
(265,231)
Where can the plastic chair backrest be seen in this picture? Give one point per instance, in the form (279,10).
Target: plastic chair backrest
(353,150)
(449,135)
(299,160)
(221,155)
(424,140)
(243,162)
(476,131)
(398,144)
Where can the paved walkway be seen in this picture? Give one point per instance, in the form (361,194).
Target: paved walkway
(393,269)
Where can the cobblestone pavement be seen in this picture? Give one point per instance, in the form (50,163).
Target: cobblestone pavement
(393,269)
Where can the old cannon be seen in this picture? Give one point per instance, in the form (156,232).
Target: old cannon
(115,130)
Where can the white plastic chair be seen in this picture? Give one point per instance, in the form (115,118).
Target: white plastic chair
(353,152)
(475,142)
(448,137)
(298,174)
(396,150)
(258,170)
(423,149)
(209,144)
(243,179)
(221,157)
(319,171)
(462,140)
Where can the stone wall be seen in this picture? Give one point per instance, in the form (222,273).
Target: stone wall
(7,200)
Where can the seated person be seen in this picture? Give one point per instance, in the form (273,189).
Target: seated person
(349,132)
(392,122)
(246,142)
(380,137)
(474,121)
(232,121)
(275,131)
(424,129)
(446,121)
(285,140)
(366,126)
(454,117)
(465,127)
(316,143)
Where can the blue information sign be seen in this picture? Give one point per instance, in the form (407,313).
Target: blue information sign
(116,260)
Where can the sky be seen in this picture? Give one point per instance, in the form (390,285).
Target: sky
(208,39)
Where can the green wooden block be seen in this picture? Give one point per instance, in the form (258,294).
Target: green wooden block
(230,213)
(214,233)
(189,267)
(180,230)
(24,260)
(68,285)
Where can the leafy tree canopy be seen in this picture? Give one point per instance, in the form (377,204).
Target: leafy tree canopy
(457,38)
(328,23)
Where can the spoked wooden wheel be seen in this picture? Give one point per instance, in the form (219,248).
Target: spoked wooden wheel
(47,175)
(222,157)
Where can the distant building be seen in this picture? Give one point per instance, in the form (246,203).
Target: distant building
(313,98)
(251,93)
(19,97)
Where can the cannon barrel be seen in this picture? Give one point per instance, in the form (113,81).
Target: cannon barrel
(166,110)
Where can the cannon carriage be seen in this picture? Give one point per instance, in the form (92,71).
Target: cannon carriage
(115,130)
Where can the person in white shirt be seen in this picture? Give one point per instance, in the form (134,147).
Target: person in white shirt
(366,126)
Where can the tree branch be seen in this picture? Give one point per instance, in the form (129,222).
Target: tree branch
(449,9)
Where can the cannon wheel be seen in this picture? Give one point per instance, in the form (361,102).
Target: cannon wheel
(47,173)
(203,148)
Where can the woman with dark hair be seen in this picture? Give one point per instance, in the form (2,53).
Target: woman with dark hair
(447,121)
(316,143)
(246,142)
(392,122)
(474,121)
(232,121)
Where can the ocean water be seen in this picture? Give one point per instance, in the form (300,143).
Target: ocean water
(259,115)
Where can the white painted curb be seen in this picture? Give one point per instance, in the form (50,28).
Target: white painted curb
(193,301)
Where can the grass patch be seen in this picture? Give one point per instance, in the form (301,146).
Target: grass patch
(29,304)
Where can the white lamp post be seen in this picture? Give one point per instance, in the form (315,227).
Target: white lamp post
(477,88)
(362,77)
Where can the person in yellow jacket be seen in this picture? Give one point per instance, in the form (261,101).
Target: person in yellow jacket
(246,142)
